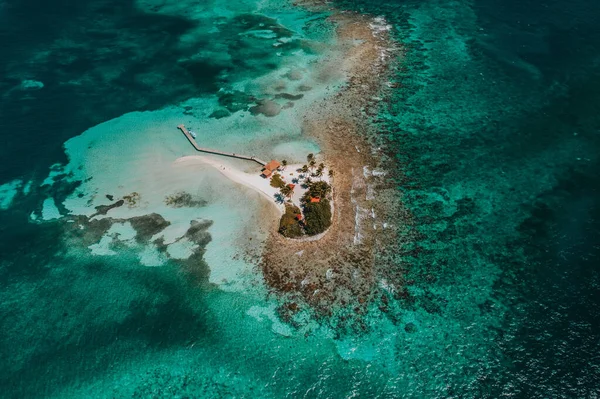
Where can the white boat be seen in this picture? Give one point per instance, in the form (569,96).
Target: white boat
(192,134)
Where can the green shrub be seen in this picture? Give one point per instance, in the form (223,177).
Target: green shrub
(277,181)
(317,216)
(289,225)
(319,189)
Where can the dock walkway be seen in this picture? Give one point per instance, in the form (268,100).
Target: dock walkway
(217,152)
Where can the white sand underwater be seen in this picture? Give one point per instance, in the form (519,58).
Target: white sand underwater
(138,153)
(145,153)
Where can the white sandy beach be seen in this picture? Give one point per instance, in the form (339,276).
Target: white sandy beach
(254,180)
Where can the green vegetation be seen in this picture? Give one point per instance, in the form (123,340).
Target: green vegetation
(319,172)
(277,181)
(317,216)
(287,191)
(319,189)
(316,206)
(289,226)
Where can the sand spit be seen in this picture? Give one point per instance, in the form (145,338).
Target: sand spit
(253,181)
(256,182)
(337,272)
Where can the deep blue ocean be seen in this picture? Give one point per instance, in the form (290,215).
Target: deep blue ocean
(494,128)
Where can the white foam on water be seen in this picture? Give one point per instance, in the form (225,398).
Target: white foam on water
(391,288)
(358,218)
(370,192)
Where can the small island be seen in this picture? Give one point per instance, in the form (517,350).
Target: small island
(301,193)
(306,194)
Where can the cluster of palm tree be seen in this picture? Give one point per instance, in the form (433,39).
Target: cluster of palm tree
(319,172)
(316,170)
(312,167)
(287,191)
(318,189)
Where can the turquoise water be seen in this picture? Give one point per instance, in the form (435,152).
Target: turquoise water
(493,134)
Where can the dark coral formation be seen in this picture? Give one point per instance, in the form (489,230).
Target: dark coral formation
(184,200)
(103,209)
(198,232)
(148,225)
(287,96)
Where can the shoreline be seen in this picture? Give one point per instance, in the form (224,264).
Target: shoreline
(260,185)
(232,174)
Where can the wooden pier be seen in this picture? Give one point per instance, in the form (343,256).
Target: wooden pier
(216,152)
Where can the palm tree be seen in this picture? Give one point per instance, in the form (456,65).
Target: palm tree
(331,173)
(284,164)
(310,157)
(312,164)
(287,191)
(322,165)
(304,169)
(319,172)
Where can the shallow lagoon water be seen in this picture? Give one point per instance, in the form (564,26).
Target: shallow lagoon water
(494,126)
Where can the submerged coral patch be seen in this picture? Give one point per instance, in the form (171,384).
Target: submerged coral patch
(183,199)
(147,226)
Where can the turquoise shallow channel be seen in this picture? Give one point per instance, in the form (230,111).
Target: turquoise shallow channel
(491,125)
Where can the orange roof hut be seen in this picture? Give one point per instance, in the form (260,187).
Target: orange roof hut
(272,165)
(269,168)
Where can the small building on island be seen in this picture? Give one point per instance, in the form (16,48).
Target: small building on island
(269,168)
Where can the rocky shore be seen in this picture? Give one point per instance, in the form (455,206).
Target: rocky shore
(337,274)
